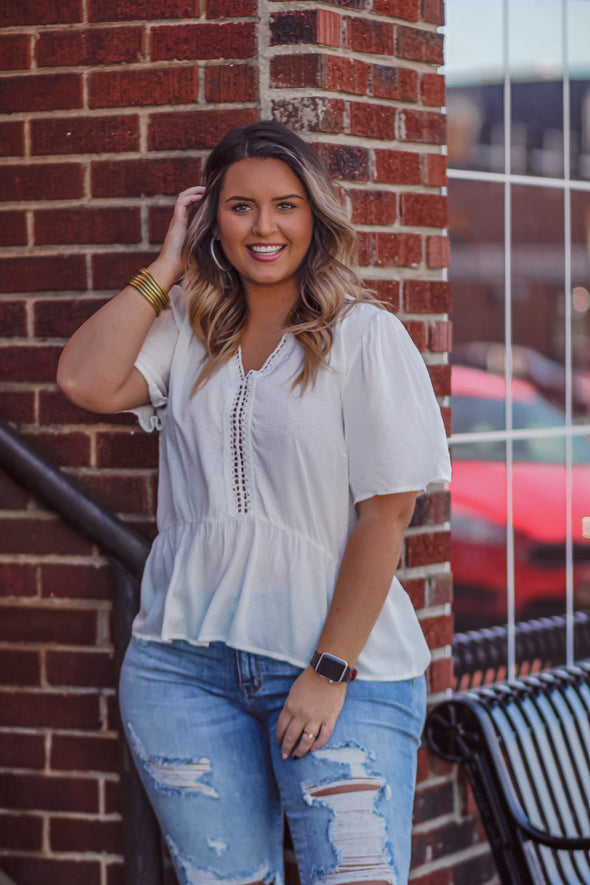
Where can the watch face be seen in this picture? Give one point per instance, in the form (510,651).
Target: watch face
(331,668)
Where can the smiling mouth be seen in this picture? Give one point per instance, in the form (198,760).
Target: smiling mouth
(266,251)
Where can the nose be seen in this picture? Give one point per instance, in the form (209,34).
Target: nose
(263,223)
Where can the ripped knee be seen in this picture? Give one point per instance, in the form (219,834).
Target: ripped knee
(174,774)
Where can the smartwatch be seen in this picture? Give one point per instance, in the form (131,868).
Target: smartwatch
(332,668)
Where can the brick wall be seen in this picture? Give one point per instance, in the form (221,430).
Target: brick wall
(107,110)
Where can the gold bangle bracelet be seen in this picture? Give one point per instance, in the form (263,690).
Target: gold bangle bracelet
(153,292)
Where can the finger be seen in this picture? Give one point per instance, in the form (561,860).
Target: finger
(282,725)
(290,738)
(325,733)
(306,741)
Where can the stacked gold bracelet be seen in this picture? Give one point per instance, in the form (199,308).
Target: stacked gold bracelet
(148,286)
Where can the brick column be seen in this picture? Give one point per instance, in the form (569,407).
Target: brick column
(107,110)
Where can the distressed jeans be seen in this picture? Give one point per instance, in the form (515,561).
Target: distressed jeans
(201,723)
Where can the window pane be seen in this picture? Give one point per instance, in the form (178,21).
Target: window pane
(475,72)
(579,72)
(478,537)
(538,306)
(476,221)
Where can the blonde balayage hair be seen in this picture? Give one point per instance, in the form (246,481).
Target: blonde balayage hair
(328,276)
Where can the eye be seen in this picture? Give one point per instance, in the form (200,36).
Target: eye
(285,205)
(240,207)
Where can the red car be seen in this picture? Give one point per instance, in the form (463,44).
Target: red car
(478,505)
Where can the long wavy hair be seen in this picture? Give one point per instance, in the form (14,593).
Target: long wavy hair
(328,277)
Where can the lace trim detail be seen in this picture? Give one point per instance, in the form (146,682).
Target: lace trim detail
(238,447)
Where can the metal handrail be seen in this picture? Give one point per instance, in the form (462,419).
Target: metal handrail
(127,551)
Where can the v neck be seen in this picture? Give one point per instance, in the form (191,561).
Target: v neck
(268,361)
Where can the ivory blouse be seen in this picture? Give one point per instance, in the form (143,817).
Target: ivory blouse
(257,486)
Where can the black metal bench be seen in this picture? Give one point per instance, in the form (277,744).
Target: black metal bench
(525,746)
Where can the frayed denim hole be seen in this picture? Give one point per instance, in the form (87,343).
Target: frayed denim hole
(170,775)
(193,874)
(357,828)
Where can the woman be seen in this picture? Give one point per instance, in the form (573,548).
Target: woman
(297,424)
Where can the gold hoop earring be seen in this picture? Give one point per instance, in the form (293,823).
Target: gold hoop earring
(216,260)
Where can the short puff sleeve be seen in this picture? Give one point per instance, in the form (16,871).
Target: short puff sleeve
(154,360)
(394,431)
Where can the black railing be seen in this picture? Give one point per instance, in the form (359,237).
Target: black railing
(127,551)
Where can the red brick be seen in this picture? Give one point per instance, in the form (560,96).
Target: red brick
(311,113)
(85,753)
(372,120)
(12,139)
(315,26)
(43,273)
(373,207)
(431,803)
(124,494)
(49,710)
(76,581)
(60,318)
(435,173)
(197,130)
(440,589)
(349,4)
(12,494)
(40,871)
(40,92)
(115,874)
(204,41)
(15,51)
(399,84)
(42,537)
(440,375)
(424,210)
(85,135)
(438,630)
(440,337)
(387,291)
(40,12)
(427,548)
(26,623)
(24,363)
(346,74)
(112,793)
(70,834)
(159,218)
(406,9)
(13,232)
(417,332)
(87,226)
(415,588)
(230,8)
(140,88)
(83,669)
(432,89)
(346,162)
(45,181)
(13,318)
(127,450)
(438,877)
(144,178)
(19,667)
(19,750)
(54,408)
(19,406)
(296,70)
(424,127)
(438,252)
(397,167)
(433,12)
(417,45)
(121,10)
(99,46)
(21,832)
(231,83)
(64,449)
(366,35)
(112,271)
(17,579)
(398,250)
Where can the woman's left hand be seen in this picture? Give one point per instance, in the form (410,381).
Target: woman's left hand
(310,713)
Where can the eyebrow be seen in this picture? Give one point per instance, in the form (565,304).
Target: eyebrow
(274,199)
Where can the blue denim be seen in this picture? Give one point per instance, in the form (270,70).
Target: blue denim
(201,723)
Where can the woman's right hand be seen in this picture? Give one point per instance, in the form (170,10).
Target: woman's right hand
(169,262)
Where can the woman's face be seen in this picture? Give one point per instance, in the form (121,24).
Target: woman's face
(265,223)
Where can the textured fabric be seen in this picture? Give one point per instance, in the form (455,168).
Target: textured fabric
(258,485)
(201,724)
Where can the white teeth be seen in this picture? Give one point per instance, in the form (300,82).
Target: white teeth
(265,250)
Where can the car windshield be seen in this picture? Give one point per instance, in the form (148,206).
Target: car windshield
(481,415)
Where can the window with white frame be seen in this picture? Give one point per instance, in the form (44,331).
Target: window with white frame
(518,105)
